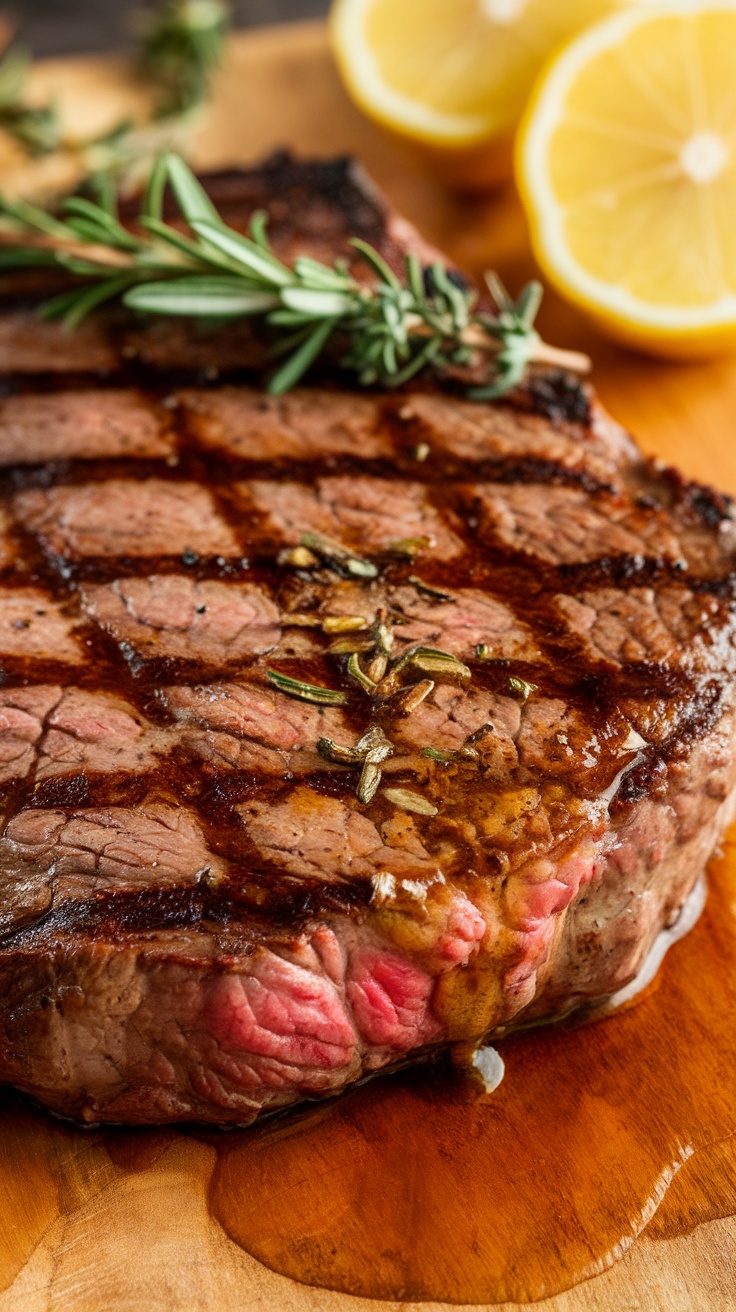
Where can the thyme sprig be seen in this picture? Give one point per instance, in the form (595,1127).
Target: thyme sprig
(393,328)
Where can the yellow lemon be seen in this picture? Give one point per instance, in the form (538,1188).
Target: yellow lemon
(626,161)
(451,74)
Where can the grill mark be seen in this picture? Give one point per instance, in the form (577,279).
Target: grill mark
(234,918)
(558,396)
(521,582)
(620,570)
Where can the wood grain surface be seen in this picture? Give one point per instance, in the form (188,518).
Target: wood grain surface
(78,1231)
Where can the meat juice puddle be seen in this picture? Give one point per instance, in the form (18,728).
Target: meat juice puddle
(420,1187)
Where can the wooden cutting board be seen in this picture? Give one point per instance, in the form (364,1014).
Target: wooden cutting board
(78,1231)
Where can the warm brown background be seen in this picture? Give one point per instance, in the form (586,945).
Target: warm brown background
(53,27)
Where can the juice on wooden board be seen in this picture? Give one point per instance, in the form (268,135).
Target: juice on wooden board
(422,1187)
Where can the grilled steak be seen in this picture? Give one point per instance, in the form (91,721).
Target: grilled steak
(220,898)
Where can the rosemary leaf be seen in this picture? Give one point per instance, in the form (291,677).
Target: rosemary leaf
(370,778)
(336,554)
(321,276)
(383,633)
(344,623)
(376,745)
(377,667)
(193,200)
(258,223)
(300,620)
(350,645)
(410,698)
(25,257)
(424,356)
(406,800)
(435,593)
(86,299)
(340,755)
(204,256)
(298,558)
(153,200)
(414,276)
(296,366)
(355,670)
(307,692)
(36,128)
(198,296)
(408,547)
(445,757)
(318,303)
(521,687)
(377,262)
(435,661)
(32,217)
(527,306)
(245,252)
(107,226)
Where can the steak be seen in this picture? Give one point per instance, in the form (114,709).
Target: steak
(219,897)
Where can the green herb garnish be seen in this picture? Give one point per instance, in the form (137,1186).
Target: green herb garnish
(521,687)
(356,671)
(35,128)
(406,800)
(435,593)
(432,660)
(446,757)
(307,692)
(392,328)
(181,48)
(371,751)
(338,556)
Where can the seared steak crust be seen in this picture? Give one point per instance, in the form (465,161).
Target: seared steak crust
(200,918)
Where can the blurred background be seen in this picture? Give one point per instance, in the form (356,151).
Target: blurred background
(52,27)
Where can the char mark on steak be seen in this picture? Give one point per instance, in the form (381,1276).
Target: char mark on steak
(216,900)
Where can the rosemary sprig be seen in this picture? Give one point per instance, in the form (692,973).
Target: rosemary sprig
(181,48)
(34,127)
(393,329)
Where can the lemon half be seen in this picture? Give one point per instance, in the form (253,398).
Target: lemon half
(451,73)
(626,161)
